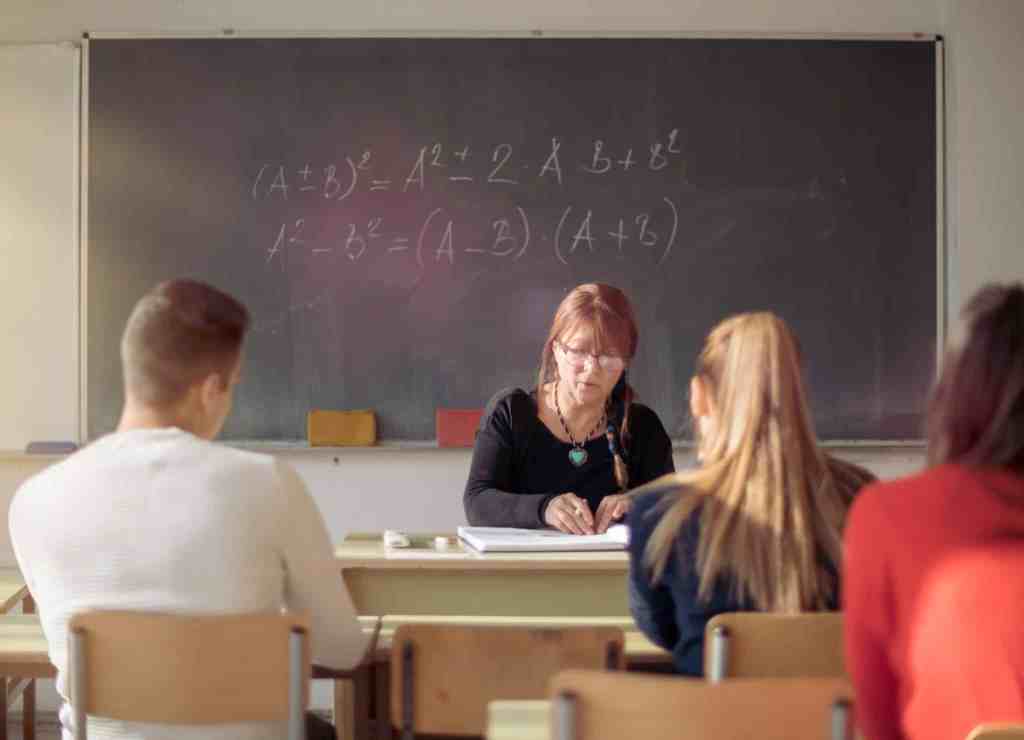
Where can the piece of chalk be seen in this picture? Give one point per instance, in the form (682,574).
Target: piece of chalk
(440,543)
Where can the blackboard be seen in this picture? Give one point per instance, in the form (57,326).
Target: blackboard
(403,215)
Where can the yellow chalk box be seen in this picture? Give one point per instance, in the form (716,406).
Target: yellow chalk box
(325,428)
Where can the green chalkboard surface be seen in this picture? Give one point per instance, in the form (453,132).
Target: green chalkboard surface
(402,215)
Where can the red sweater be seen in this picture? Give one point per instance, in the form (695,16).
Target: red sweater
(933,593)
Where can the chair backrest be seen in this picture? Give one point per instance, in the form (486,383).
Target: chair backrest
(589,705)
(443,676)
(998,731)
(760,645)
(189,669)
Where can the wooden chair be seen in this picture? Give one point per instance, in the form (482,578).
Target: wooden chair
(590,705)
(760,645)
(185,669)
(998,731)
(443,676)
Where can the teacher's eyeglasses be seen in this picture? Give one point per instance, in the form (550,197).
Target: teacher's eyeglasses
(580,358)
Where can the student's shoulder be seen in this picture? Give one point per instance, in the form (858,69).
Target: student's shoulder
(253,472)
(245,459)
(849,477)
(55,478)
(650,501)
(917,490)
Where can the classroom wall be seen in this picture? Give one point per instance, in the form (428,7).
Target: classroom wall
(372,489)
(986,41)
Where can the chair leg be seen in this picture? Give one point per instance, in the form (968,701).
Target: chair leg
(344,708)
(28,711)
(3,708)
(361,688)
(382,701)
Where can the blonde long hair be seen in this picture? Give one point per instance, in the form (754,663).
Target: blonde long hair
(773,505)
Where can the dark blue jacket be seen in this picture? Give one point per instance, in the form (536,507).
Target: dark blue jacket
(669,613)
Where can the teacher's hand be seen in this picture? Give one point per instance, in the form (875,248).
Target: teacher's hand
(569,513)
(610,510)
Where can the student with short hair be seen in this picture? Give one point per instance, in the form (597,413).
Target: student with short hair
(934,569)
(156,517)
(757,526)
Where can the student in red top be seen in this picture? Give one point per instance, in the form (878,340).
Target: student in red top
(933,583)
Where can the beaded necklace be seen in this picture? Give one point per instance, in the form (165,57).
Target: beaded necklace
(577,455)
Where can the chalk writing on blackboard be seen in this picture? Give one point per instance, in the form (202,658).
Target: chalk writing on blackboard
(436,236)
(276,180)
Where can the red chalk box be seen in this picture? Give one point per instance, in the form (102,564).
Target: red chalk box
(457,427)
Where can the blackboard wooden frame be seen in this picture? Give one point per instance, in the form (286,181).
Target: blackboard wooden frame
(941,307)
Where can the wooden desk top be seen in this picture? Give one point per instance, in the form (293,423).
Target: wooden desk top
(637,648)
(23,648)
(12,589)
(367,553)
(518,720)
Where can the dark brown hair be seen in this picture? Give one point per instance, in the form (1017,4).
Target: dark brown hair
(179,333)
(609,313)
(976,413)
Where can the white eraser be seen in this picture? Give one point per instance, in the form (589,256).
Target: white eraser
(440,543)
(395,539)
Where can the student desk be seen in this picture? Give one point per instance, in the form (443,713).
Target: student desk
(640,653)
(519,720)
(460,581)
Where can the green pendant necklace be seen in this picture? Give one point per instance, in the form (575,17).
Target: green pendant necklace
(577,455)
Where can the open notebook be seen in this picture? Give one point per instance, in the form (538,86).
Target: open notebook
(508,539)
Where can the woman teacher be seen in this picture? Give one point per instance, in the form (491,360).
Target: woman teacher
(564,454)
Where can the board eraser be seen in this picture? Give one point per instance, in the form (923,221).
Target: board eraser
(326,428)
(457,427)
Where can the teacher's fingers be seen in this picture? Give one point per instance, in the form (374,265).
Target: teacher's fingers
(565,520)
(610,510)
(581,510)
(604,516)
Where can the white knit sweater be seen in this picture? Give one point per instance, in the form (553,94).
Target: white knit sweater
(161,520)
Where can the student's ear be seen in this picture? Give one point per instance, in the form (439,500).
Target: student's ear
(211,389)
(700,404)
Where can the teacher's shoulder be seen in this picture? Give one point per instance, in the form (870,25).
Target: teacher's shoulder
(644,417)
(508,403)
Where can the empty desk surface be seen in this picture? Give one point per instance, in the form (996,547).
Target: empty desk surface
(460,581)
(23,649)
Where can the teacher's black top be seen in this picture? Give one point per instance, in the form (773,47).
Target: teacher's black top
(519,465)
